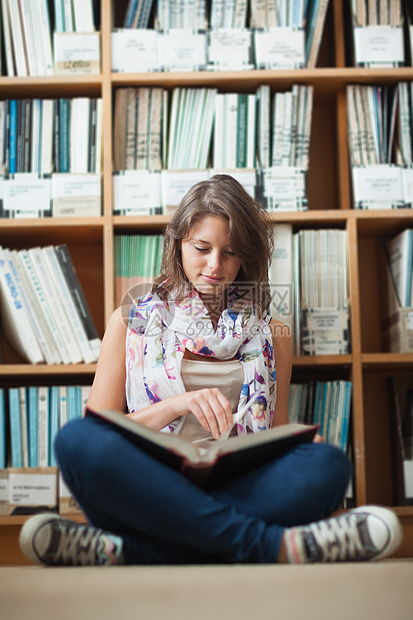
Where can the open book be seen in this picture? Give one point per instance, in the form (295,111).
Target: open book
(223,460)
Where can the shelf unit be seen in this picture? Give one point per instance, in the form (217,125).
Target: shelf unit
(91,241)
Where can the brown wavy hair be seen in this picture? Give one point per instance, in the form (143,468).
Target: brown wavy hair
(251,237)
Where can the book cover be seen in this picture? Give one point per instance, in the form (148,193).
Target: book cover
(225,458)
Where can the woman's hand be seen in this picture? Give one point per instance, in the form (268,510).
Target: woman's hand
(210,407)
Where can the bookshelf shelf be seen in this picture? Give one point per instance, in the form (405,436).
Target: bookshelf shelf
(46,370)
(87,85)
(91,240)
(322,361)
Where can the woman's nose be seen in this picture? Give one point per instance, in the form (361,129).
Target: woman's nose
(214,261)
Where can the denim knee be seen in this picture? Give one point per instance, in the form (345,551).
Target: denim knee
(65,444)
(331,462)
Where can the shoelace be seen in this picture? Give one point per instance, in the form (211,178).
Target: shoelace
(77,545)
(339,539)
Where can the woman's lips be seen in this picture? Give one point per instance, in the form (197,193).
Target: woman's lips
(212,279)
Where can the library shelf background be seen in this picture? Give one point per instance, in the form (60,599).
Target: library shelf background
(91,239)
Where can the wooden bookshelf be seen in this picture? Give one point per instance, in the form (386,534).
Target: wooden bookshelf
(91,240)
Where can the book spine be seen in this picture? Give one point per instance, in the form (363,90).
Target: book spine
(13,136)
(78,296)
(14,313)
(68,304)
(15,428)
(54,423)
(3,434)
(33,425)
(24,425)
(43,426)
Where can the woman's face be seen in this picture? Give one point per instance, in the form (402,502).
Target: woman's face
(207,257)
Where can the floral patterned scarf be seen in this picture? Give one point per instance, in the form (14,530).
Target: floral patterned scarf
(158,333)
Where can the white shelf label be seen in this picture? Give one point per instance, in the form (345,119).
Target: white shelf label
(135,50)
(279,48)
(229,48)
(175,184)
(137,192)
(379,44)
(26,194)
(379,186)
(76,194)
(76,53)
(181,49)
(33,489)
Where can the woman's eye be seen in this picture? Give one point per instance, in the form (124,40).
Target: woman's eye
(230,253)
(201,249)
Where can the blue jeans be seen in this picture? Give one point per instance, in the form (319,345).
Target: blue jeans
(165,519)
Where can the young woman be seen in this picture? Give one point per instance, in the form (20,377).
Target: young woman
(183,359)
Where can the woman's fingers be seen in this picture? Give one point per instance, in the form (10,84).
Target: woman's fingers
(212,409)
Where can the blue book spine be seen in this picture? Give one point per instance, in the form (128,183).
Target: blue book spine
(33,426)
(71,402)
(13,136)
(346,417)
(15,428)
(54,423)
(3,453)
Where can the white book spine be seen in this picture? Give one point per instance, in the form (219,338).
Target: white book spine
(43,24)
(43,426)
(66,299)
(67,336)
(47,123)
(48,314)
(30,39)
(15,317)
(8,45)
(34,311)
(83,16)
(35,135)
(17,39)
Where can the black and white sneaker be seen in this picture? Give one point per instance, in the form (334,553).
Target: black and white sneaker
(365,533)
(52,540)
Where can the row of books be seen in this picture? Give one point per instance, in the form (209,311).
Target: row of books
(202,126)
(326,403)
(382,19)
(239,14)
(27,27)
(137,261)
(44,312)
(31,416)
(47,135)
(309,280)
(372,13)
(380,134)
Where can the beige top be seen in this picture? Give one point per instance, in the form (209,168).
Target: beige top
(228,376)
